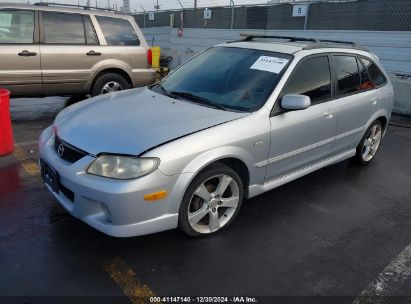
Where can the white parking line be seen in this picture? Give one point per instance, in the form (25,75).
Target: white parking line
(388,280)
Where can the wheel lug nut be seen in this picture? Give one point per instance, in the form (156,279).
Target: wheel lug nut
(220,202)
(214,209)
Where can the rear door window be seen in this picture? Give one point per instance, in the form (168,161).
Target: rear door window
(16,26)
(348,75)
(311,78)
(118,31)
(62,28)
(376,75)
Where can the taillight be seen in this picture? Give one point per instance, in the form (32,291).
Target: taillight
(150,56)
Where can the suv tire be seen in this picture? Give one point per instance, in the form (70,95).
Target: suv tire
(107,83)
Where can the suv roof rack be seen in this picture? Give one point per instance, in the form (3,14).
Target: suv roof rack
(316,43)
(77,6)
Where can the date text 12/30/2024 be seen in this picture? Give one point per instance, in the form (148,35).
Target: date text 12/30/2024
(239,299)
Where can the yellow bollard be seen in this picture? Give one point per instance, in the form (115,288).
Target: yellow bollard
(156,50)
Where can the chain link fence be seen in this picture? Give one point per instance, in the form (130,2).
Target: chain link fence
(368,15)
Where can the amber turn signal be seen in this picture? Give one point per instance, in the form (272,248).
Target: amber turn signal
(155,196)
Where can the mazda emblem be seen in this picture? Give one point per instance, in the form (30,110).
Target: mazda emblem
(60,150)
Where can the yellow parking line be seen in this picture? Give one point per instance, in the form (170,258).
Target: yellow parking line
(29,165)
(126,278)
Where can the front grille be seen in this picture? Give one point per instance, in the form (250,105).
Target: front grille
(67,151)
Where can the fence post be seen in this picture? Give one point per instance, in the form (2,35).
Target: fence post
(144,16)
(181,19)
(306,16)
(232,14)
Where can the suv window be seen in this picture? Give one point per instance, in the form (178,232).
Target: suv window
(118,31)
(16,26)
(348,75)
(312,78)
(376,75)
(60,28)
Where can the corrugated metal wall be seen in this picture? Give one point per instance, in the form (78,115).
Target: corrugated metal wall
(393,48)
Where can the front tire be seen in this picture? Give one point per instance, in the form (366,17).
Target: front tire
(368,147)
(108,83)
(211,201)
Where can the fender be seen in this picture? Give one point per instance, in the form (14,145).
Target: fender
(380,113)
(202,161)
(108,64)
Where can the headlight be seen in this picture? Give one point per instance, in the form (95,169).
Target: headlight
(122,167)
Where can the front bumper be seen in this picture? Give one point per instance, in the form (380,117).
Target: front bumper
(114,207)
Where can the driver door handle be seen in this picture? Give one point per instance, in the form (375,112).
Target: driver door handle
(26,53)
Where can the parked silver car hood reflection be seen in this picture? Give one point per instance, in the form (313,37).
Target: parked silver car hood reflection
(134,121)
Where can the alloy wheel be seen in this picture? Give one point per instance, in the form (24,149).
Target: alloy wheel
(213,203)
(372,142)
(111,86)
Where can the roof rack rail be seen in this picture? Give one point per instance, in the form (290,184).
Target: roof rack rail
(77,6)
(316,43)
(332,43)
(252,36)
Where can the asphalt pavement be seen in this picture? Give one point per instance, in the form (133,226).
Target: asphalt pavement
(341,234)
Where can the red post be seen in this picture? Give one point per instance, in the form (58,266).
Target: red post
(6,132)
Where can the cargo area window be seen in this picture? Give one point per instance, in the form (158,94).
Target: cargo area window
(118,31)
(16,26)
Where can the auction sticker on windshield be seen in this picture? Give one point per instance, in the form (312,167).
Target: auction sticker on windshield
(269,64)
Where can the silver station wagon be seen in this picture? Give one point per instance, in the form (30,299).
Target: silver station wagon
(235,121)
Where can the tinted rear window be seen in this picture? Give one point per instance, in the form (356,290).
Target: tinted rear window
(348,75)
(118,31)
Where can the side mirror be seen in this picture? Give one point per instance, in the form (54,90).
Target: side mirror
(295,102)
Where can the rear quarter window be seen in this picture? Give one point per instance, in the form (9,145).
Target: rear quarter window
(118,31)
(375,73)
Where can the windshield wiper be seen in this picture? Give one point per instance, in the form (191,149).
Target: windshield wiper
(164,91)
(199,99)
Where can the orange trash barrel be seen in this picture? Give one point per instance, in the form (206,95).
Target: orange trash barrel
(6,132)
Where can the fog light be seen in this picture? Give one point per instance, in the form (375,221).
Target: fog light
(155,196)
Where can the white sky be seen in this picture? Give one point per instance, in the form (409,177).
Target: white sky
(149,4)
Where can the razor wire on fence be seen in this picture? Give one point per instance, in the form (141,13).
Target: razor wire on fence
(370,15)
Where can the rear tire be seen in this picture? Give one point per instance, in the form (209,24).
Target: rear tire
(370,142)
(211,201)
(108,83)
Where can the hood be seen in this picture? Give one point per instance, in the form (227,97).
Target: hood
(133,121)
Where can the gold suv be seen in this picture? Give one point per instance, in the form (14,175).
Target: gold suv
(46,50)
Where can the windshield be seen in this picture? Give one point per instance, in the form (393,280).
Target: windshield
(228,78)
